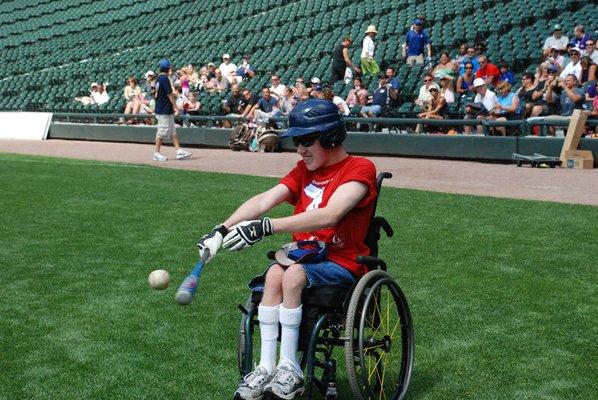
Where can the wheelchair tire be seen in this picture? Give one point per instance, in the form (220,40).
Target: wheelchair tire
(241,339)
(380,347)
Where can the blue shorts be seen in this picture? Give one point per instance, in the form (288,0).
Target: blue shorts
(374,108)
(325,273)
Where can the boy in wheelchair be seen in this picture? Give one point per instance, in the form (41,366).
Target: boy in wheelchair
(333,194)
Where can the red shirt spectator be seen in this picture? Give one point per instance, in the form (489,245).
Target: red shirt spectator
(487,71)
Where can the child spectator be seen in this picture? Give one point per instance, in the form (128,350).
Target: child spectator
(505,75)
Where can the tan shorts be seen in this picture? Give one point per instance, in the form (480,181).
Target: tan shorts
(411,60)
(166,127)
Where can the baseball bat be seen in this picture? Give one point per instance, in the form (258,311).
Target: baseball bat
(186,292)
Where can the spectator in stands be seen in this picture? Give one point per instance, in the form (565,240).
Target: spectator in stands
(101,96)
(184,82)
(193,76)
(588,70)
(487,71)
(368,64)
(469,58)
(446,88)
(191,106)
(246,104)
(342,106)
(148,105)
(211,71)
(566,94)
(132,95)
(555,58)
(424,95)
(465,81)
(288,101)
(505,74)
(591,91)
(311,86)
(355,92)
(165,111)
(416,41)
(483,103)
(437,108)
(507,106)
(245,71)
(232,105)
(567,54)
(445,66)
(531,96)
(219,82)
(341,61)
(480,49)
(277,89)
(91,99)
(580,38)
(574,66)
(556,40)
(394,88)
(461,54)
(591,50)
(379,100)
(228,69)
(266,107)
(150,82)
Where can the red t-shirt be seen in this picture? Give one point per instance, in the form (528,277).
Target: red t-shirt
(489,70)
(312,190)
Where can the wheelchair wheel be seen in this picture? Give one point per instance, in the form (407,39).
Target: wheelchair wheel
(380,346)
(241,340)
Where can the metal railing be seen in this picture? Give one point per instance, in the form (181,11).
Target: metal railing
(522,127)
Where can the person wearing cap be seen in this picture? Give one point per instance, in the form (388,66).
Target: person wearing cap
(574,66)
(228,69)
(165,109)
(555,58)
(93,95)
(424,95)
(245,70)
(556,40)
(333,195)
(483,103)
(379,101)
(367,63)
(437,108)
(341,61)
(277,88)
(416,41)
(446,87)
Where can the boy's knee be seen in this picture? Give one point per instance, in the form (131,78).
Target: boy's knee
(274,275)
(294,278)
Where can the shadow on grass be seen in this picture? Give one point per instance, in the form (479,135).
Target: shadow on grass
(422,382)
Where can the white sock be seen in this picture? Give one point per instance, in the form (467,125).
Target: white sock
(268,318)
(290,319)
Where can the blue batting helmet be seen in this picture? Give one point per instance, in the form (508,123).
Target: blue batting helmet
(164,64)
(317,115)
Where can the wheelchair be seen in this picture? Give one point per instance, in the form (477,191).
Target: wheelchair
(370,320)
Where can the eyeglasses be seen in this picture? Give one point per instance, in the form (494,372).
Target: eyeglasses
(590,43)
(427,80)
(307,140)
(468,67)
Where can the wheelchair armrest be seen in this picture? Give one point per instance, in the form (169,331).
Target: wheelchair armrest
(371,262)
(383,223)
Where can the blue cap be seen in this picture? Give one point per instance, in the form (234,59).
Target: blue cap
(552,68)
(164,63)
(313,115)
(418,21)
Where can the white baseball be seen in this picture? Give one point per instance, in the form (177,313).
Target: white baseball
(158,279)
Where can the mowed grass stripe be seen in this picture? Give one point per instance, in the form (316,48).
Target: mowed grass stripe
(503,292)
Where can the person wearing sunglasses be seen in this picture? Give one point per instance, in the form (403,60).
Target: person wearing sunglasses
(333,196)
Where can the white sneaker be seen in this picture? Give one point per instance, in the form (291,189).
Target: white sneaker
(181,154)
(253,384)
(286,384)
(159,157)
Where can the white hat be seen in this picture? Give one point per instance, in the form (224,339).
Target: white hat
(226,56)
(371,29)
(577,49)
(94,84)
(477,82)
(315,80)
(150,72)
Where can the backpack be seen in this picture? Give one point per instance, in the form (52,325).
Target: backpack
(240,138)
(267,140)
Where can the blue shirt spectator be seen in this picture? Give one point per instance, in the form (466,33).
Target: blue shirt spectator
(267,105)
(470,57)
(163,89)
(416,41)
(380,96)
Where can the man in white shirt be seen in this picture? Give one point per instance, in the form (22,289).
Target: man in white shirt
(228,69)
(276,87)
(100,96)
(368,64)
(574,66)
(557,40)
(486,98)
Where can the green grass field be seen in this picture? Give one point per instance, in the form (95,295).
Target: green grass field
(503,292)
